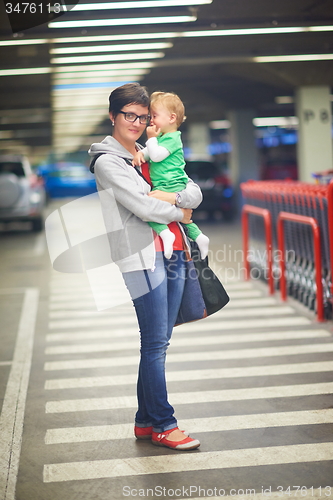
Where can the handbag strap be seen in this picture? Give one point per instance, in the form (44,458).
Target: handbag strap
(127,160)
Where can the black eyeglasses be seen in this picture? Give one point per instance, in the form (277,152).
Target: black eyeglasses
(132,117)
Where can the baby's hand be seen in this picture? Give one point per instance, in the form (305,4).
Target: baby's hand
(138,159)
(152,131)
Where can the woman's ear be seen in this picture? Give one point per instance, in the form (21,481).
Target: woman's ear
(111,118)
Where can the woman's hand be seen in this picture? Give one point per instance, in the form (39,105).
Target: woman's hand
(187,215)
(163,196)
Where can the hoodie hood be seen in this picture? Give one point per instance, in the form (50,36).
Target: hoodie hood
(111,145)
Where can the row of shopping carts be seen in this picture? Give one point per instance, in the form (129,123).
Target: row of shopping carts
(306,200)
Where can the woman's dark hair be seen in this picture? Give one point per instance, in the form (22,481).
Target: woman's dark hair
(130,93)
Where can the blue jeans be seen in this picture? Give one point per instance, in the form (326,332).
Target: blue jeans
(156,311)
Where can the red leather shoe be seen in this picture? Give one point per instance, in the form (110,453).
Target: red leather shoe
(143,432)
(146,432)
(161,439)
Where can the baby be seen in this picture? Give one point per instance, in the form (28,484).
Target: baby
(164,149)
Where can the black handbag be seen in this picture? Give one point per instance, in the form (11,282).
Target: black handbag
(203,293)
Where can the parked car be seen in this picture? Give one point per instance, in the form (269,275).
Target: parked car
(65,179)
(279,169)
(22,193)
(218,193)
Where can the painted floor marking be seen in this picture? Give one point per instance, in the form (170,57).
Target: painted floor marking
(79,313)
(72,302)
(76,304)
(105,319)
(186,375)
(75,364)
(239,285)
(199,340)
(93,404)
(245,294)
(228,354)
(252,302)
(12,415)
(195,425)
(245,324)
(200,326)
(275,455)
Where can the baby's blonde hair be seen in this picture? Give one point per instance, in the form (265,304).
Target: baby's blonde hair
(171,102)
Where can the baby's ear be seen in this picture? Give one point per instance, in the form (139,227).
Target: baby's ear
(173,118)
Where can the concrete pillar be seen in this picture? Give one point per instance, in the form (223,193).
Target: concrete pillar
(314,147)
(243,163)
(198,141)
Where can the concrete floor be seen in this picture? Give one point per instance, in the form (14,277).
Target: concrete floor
(253,382)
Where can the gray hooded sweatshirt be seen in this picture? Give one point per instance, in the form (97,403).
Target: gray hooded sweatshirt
(127,208)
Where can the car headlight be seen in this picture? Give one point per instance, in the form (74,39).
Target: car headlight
(35,198)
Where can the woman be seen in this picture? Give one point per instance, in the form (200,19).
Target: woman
(154,282)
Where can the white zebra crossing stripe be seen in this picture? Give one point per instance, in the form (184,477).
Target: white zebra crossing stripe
(72,301)
(184,357)
(239,285)
(244,294)
(184,341)
(195,425)
(84,304)
(65,313)
(105,318)
(185,375)
(253,302)
(90,313)
(214,323)
(74,471)
(228,354)
(200,326)
(93,404)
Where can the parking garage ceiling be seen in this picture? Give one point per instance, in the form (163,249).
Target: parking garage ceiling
(218,55)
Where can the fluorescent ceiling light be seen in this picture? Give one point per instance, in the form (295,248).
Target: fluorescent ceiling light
(245,31)
(137,4)
(294,58)
(320,28)
(80,86)
(113,57)
(99,76)
(122,22)
(104,67)
(219,124)
(24,71)
(73,119)
(111,48)
(82,101)
(257,31)
(147,36)
(64,92)
(6,134)
(276,121)
(100,80)
(284,99)
(36,41)
(115,38)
